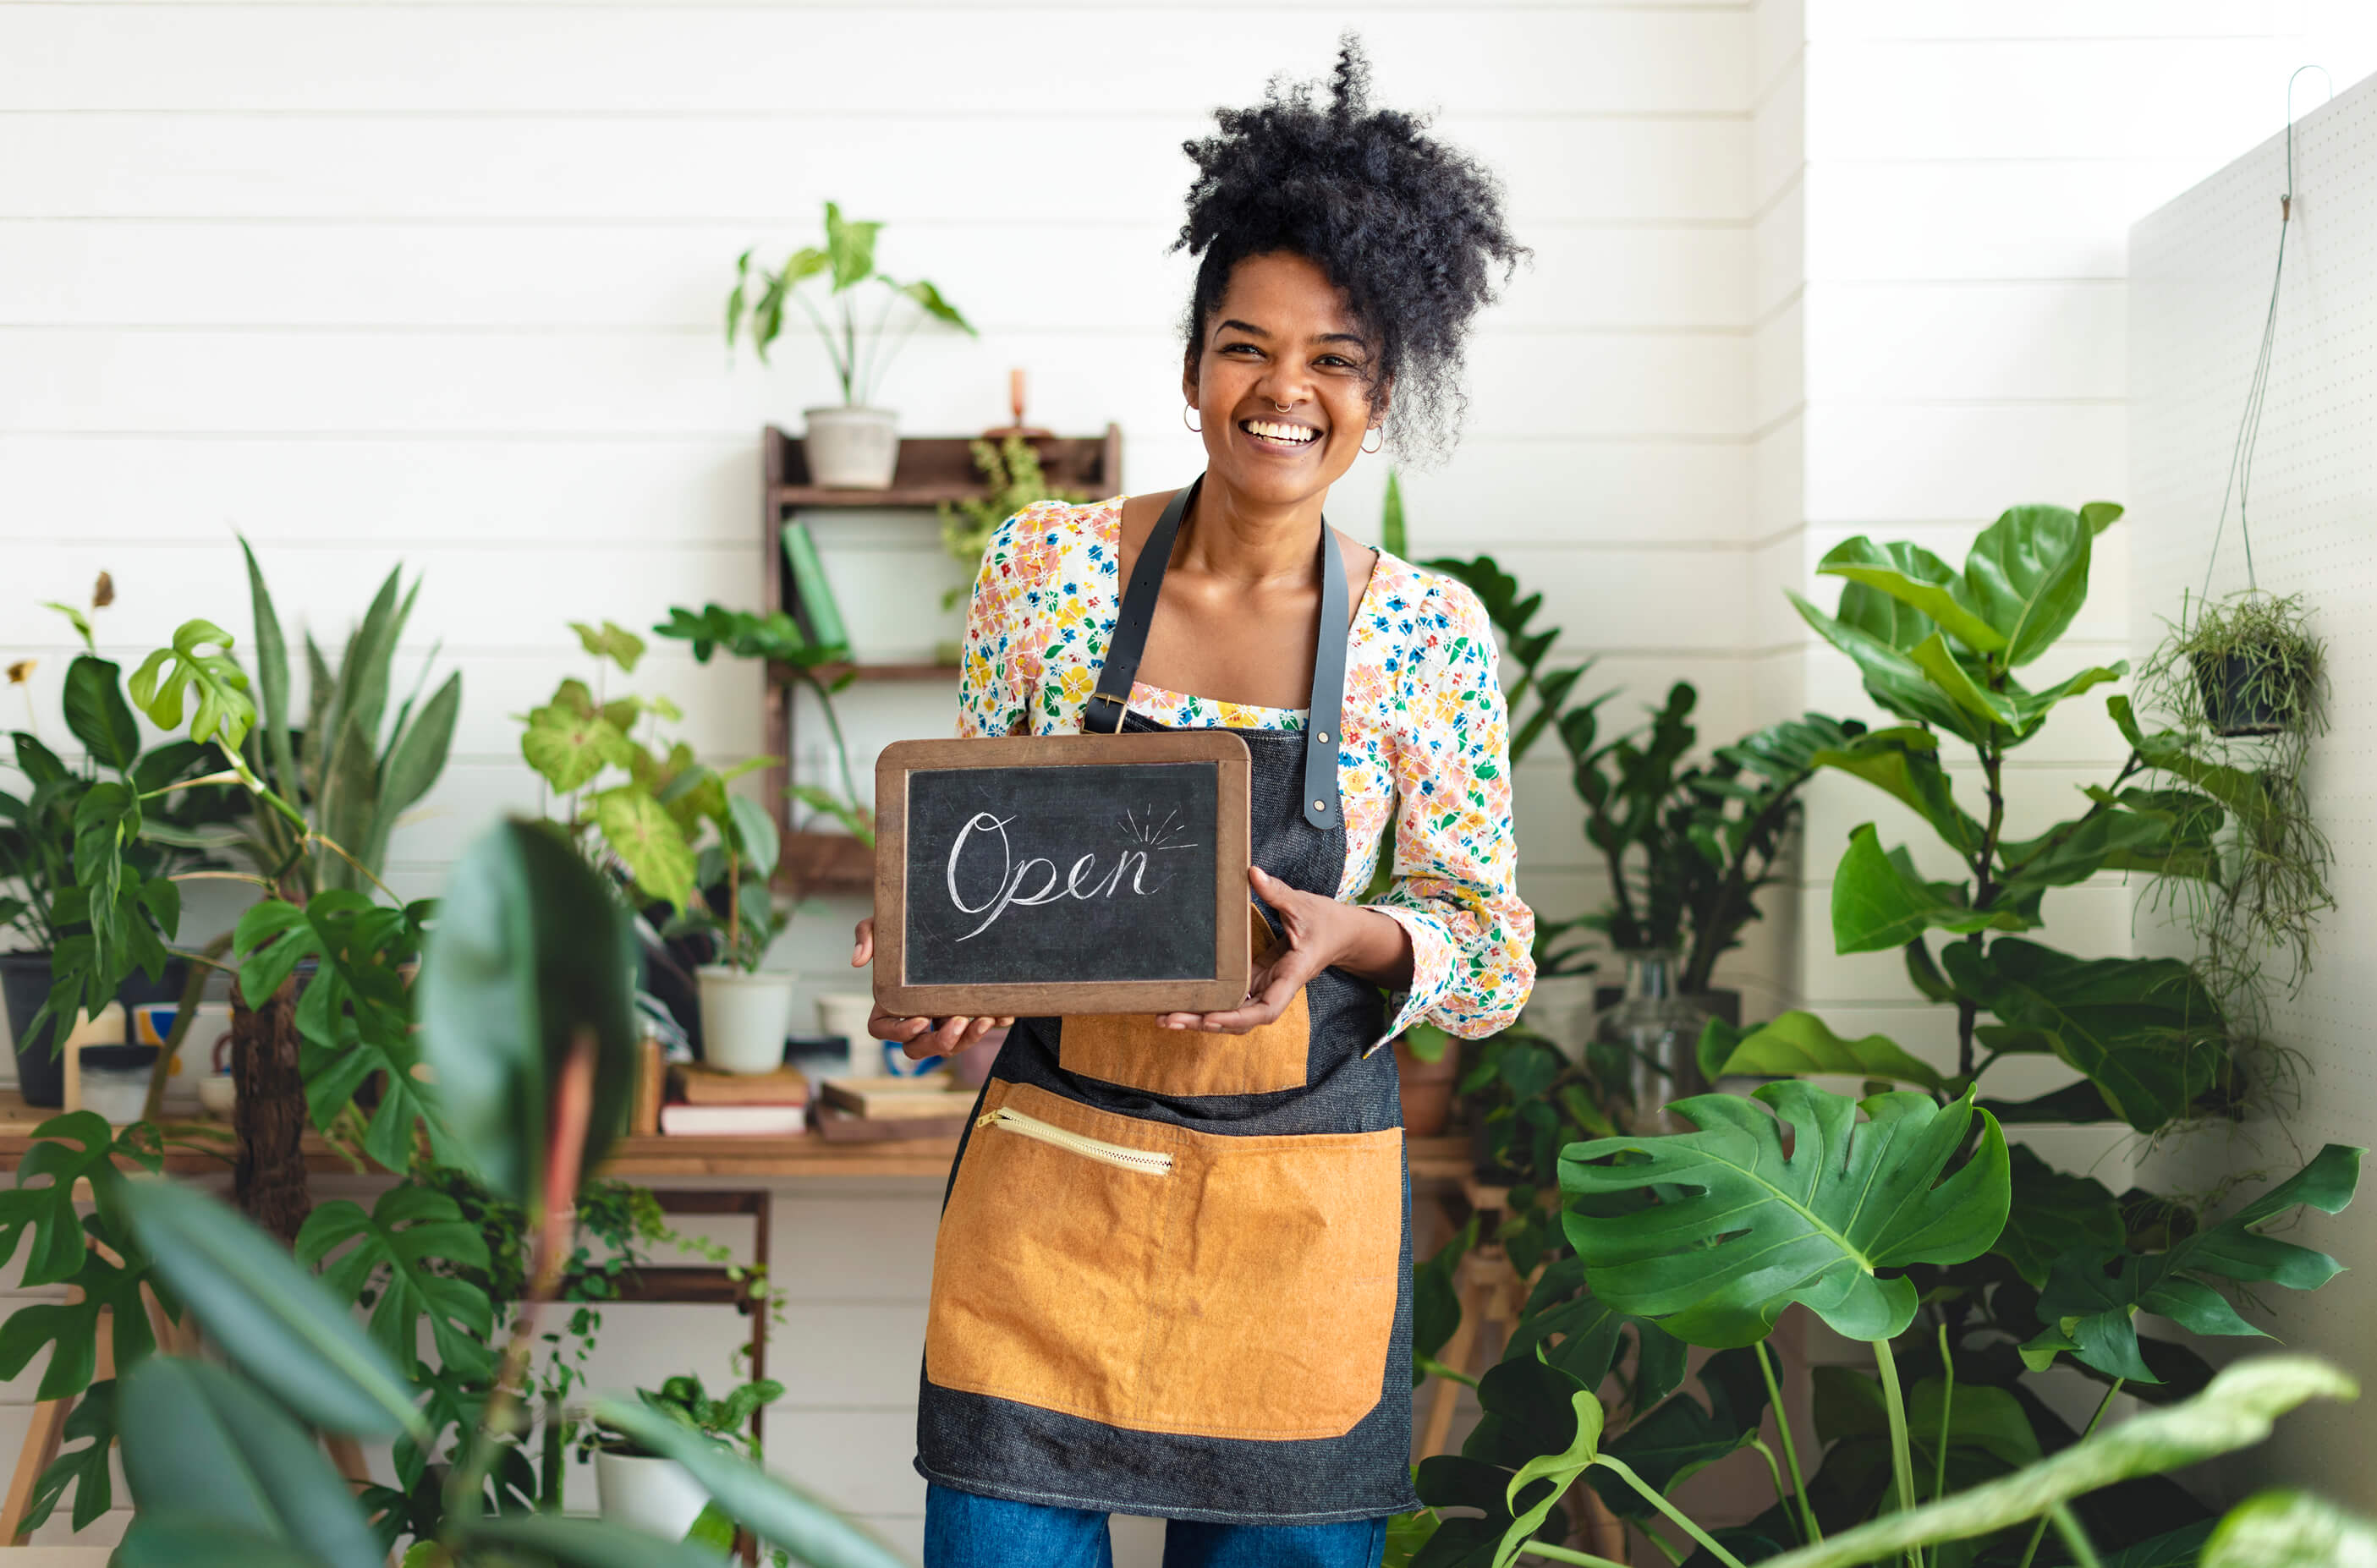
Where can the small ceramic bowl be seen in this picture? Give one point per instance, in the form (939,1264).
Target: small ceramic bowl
(217,1092)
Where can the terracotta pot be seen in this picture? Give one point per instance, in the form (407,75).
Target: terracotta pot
(1427,1088)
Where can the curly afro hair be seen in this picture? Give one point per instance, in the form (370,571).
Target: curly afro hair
(1410,229)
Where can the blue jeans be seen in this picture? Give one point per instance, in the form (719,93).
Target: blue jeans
(962,1530)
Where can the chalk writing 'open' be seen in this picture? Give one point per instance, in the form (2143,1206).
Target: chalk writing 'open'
(1130,874)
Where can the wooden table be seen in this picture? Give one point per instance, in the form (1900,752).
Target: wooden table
(1436,1164)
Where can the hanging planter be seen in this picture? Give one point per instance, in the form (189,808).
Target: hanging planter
(2256,667)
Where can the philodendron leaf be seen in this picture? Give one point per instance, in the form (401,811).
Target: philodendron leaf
(611,641)
(2090,1310)
(2235,1411)
(2055,1215)
(1754,1229)
(2028,573)
(1540,1431)
(2291,1530)
(568,748)
(649,844)
(530,955)
(1799,1043)
(802,1524)
(199,1442)
(276,1323)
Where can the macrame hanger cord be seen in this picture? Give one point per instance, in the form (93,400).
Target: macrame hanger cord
(2249,427)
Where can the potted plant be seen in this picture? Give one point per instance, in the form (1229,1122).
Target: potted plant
(744,1010)
(854,445)
(2247,665)
(651,1492)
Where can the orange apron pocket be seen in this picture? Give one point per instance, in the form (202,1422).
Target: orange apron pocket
(1165,1281)
(1131,1051)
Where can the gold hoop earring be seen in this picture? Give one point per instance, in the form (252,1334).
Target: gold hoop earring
(1186,409)
(1380,431)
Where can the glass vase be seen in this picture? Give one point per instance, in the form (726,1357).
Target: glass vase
(1644,1050)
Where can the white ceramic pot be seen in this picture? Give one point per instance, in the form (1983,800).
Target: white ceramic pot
(851,448)
(744,1017)
(1560,1009)
(845,1013)
(656,1496)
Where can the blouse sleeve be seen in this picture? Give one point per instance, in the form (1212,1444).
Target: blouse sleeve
(994,663)
(1455,886)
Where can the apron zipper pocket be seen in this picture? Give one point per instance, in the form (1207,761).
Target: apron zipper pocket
(1151,1162)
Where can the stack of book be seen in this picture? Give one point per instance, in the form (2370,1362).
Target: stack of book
(867,1109)
(712,1104)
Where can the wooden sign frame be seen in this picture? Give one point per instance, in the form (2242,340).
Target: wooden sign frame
(1233,961)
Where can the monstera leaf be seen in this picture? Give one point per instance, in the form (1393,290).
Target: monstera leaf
(2089,1310)
(402,1260)
(1540,1431)
(1754,1229)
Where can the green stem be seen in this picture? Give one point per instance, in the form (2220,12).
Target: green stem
(1947,1404)
(1625,1472)
(2038,1531)
(1902,1465)
(2075,1539)
(1790,1449)
(1774,1473)
(1435,1367)
(1566,1554)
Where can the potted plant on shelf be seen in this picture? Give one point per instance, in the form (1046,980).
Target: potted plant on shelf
(653,1493)
(851,445)
(745,1009)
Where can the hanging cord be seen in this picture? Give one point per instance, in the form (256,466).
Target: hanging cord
(2249,427)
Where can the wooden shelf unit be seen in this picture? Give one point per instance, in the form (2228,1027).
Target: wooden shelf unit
(931,469)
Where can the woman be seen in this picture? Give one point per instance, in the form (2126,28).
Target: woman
(1183,1290)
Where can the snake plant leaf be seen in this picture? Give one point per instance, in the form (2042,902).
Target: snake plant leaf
(97,714)
(1680,1437)
(1797,1043)
(530,954)
(2145,1030)
(652,848)
(201,1443)
(2090,1297)
(1879,900)
(1903,762)
(276,1323)
(166,678)
(776,1511)
(2055,1215)
(1944,669)
(1754,1229)
(271,678)
(399,1258)
(2028,573)
(2235,1410)
(1918,579)
(2285,1528)
(579,1543)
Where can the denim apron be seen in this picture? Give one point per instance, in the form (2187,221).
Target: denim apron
(1172,1274)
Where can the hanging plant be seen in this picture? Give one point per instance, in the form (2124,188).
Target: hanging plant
(2244,667)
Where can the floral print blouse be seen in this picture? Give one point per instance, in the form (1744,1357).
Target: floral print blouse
(1423,720)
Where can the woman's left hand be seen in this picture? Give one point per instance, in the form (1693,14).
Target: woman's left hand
(1321,933)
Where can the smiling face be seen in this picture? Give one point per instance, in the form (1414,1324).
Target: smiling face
(1281,380)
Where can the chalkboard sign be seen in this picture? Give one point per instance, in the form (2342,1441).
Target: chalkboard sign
(1069,873)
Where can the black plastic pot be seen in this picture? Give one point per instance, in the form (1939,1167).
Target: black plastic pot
(40,1072)
(2238,699)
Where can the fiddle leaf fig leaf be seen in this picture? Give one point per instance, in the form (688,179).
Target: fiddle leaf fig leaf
(1903,762)
(1894,620)
(1939,593)
(1751,1231)
(1880,901)
(2054,1215)
(1892,679)
(1945,670)
(2091,1297)
(1799,1043)
(2028,573)
(2145,1030)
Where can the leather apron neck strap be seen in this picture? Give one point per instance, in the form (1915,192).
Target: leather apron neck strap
(1322,736)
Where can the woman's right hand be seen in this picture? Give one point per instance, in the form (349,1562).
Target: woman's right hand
(918,1038)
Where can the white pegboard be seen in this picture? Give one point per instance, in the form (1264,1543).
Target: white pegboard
(2200,285)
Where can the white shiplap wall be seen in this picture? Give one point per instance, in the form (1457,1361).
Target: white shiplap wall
(2202,275)
(439,283)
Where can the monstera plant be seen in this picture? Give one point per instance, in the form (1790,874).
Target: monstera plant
(1981,1263)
